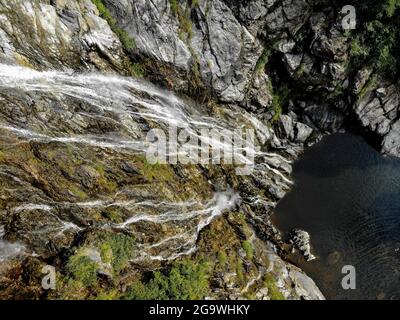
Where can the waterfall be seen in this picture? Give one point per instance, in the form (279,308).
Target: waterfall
(9,250)
(131,108)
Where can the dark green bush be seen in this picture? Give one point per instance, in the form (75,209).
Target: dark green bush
(185,281)
(83,269)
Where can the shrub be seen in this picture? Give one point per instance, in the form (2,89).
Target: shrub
(376,44)
(117,249)
(185,281)
(391,6)
(83,269)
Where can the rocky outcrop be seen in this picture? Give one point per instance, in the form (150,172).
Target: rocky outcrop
(378,110)
(204,36)
(301,240)
(73,174)
(65,35)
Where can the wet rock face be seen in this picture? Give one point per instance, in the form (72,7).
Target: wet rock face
(75,186)
(206,36)
(78,190)
(67,34)
(228,45)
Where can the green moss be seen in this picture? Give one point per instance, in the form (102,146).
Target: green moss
(358,49)
(105,296)
(103,181)
(372,81)
(186,280)
(107,184)
(77,192)
(248,248)
(183,16)
(106,253)
(222,258)
(385,60)
(154,172)
(280,97)
(69,288)
(263,60)
(127,42)
(112,214)
(300,71)
(240,270)
(174,6)
(137,70)
(83,269)
(273,290)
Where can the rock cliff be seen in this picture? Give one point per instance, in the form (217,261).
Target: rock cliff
(83,82)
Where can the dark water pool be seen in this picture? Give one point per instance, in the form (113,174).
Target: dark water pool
(347,196)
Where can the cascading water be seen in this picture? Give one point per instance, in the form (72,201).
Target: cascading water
(9,250)
(121,112)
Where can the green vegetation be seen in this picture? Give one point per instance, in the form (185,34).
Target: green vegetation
(376,41)
(372,81)
(273,290)
(117,249)
(106,252)
(248,248)
(187,280)
(127,42)
(357,48)
(185,31)
(240,271)
(300,71)
(80,279)
(137,70)
(112,214)
(183,16)
(104,182)
(77,192)
(280,97)
(391,6)
(154,172)
(263,60)
(83,269)
(222,258)
(111,295)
